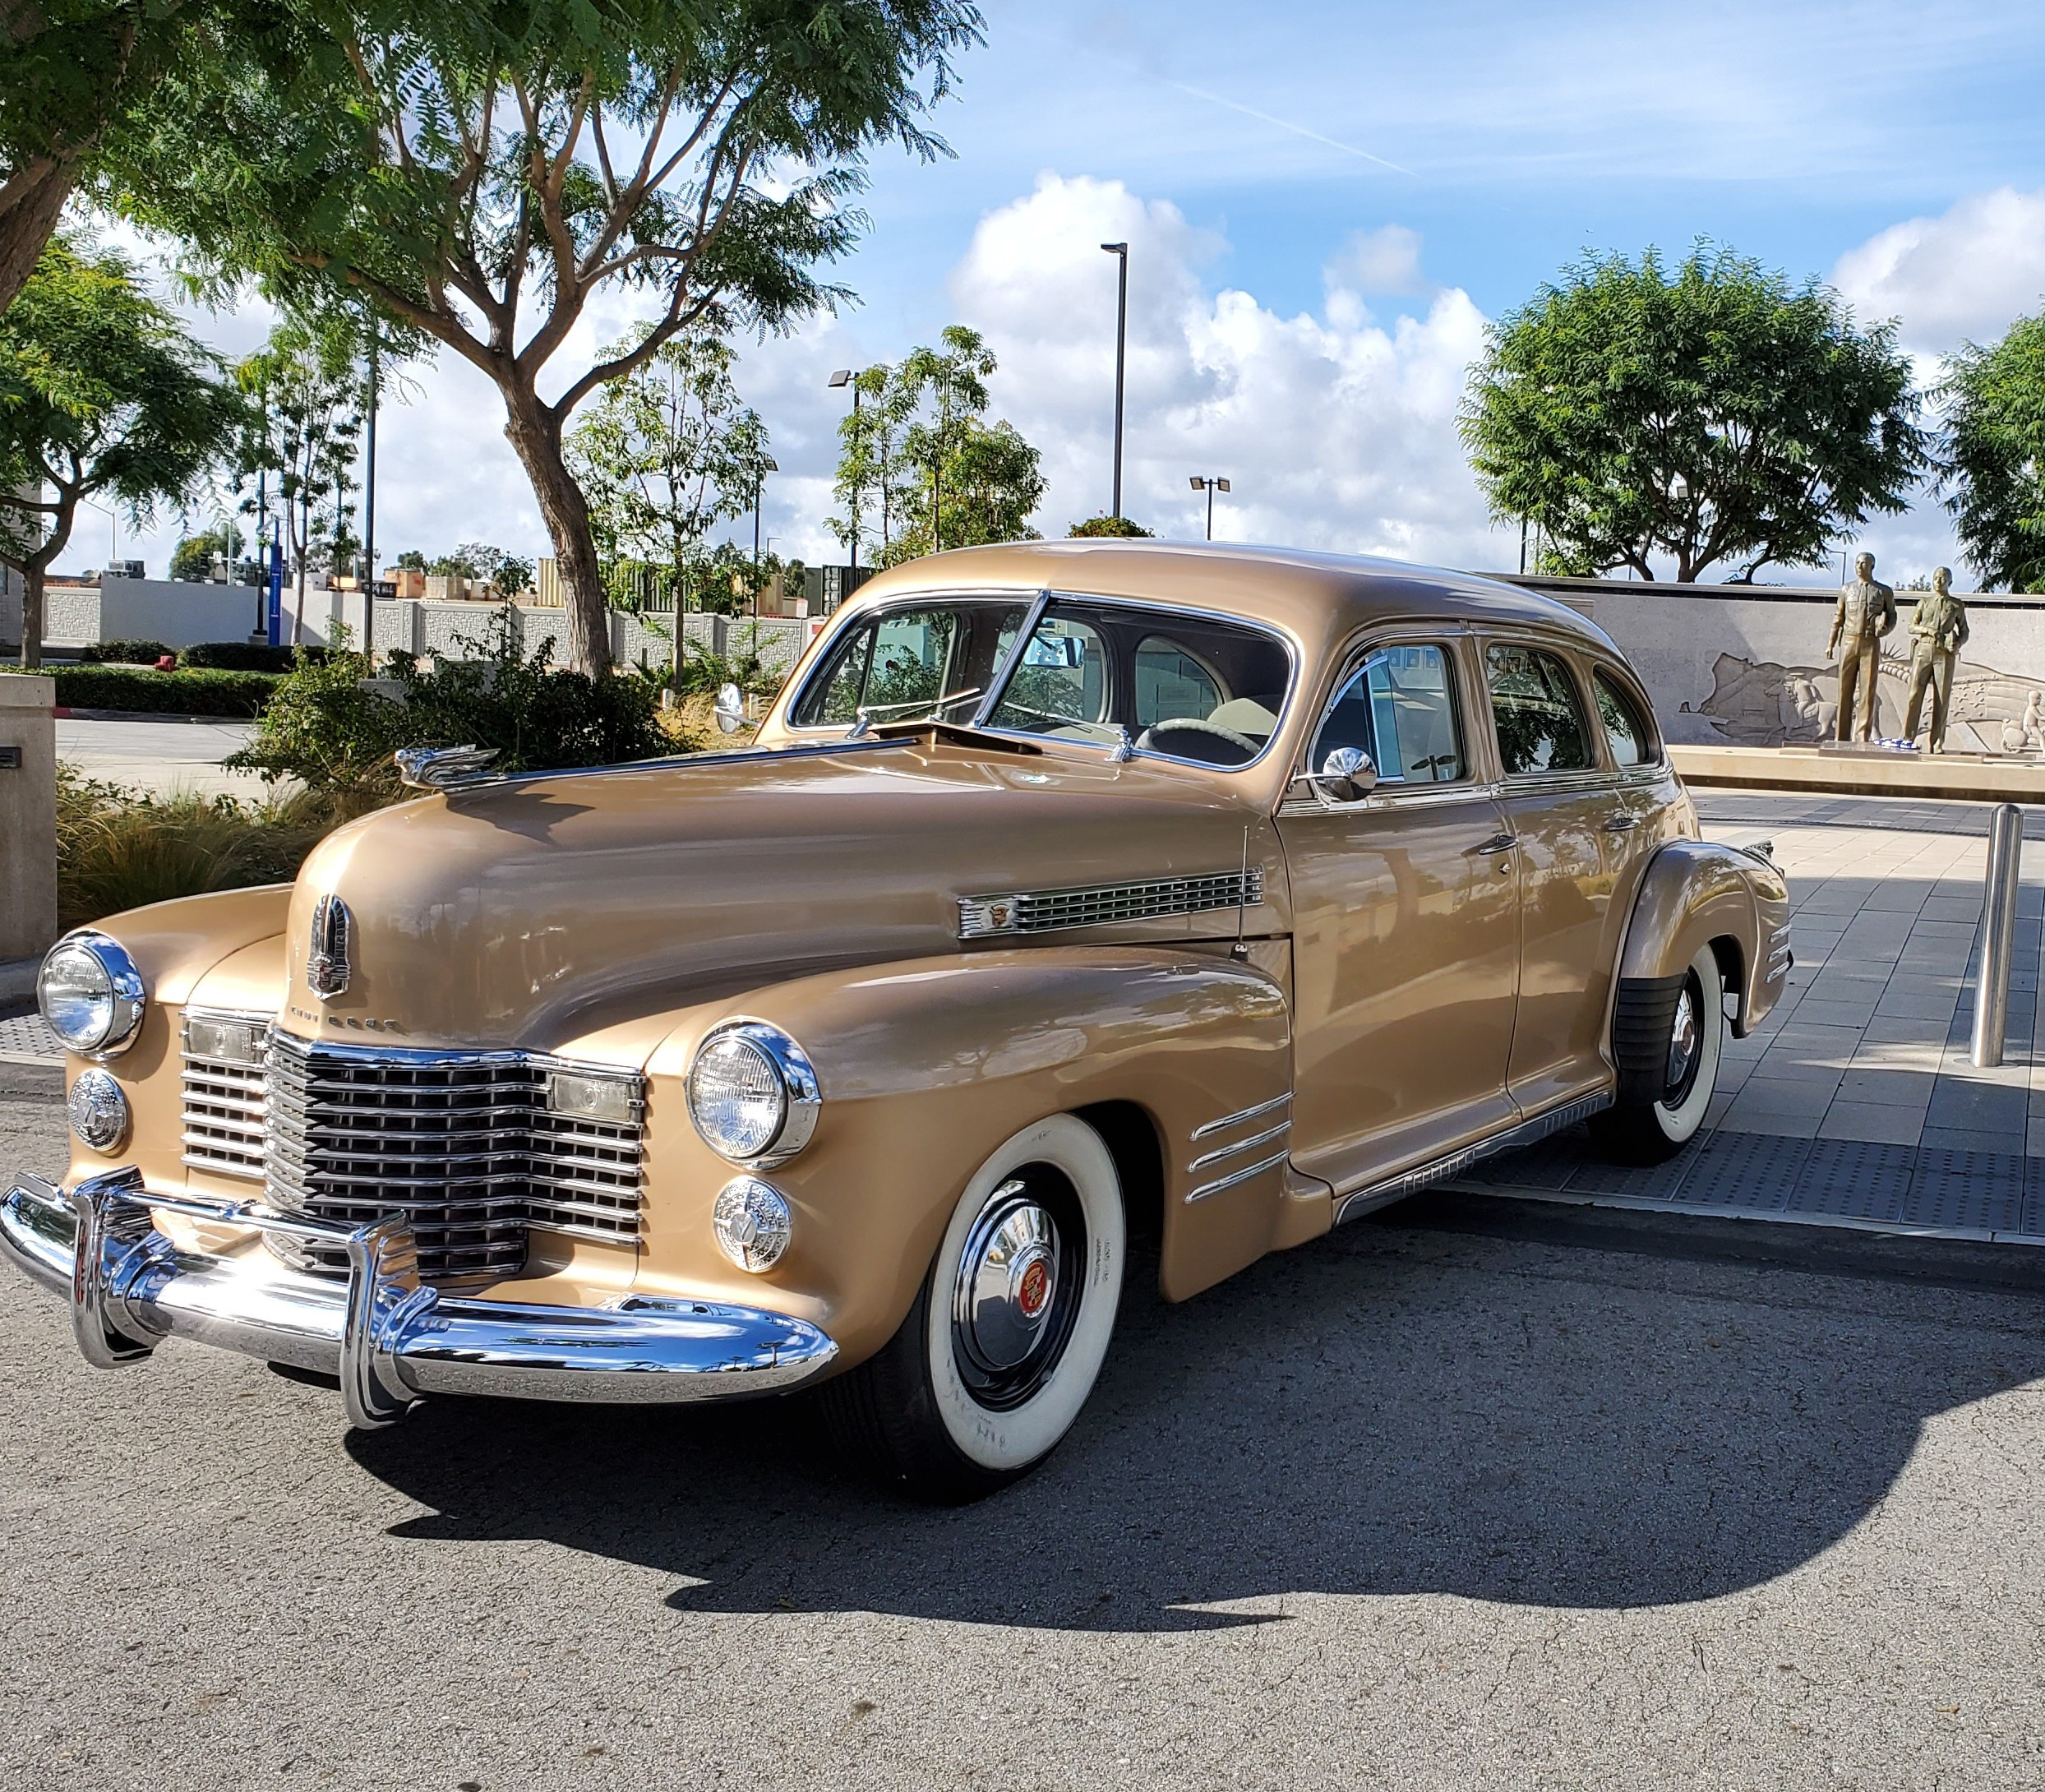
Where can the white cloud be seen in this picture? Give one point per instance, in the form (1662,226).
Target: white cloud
(1965,275)
(1336,431)
(1387,259)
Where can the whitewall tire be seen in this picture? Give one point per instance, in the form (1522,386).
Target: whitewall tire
(1651,1124)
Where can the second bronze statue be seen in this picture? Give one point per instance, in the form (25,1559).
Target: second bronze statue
(1938,630)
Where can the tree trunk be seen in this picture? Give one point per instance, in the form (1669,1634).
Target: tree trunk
(32,617)
(534,433)
(30,218)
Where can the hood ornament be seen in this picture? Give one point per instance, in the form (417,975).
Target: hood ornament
(443,767)
(326,965)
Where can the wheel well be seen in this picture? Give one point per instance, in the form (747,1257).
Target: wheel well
(1131,1137)
(1732,974)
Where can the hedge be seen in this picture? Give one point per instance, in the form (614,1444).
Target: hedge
(123,653)
(246,656)
(238,693)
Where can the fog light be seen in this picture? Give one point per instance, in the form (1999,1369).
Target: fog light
(613,1099)
(99,1110)
(752,1222)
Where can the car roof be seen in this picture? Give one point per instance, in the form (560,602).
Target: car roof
(1320,599)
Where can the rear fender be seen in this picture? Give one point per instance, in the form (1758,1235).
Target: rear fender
(1698,892)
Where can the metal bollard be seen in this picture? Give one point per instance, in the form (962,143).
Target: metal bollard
(1998,934)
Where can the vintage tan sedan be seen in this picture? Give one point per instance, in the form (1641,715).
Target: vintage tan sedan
(1070,891)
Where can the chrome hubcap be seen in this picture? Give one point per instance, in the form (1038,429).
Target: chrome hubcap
(1007,1278)
(1683,1039)
(1019,1287)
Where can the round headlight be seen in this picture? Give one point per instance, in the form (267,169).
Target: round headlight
(752,1222)
(91,995)
(753,1093)
(99,1110)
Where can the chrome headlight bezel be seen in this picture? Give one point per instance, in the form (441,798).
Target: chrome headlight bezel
(789,1067)
(126,999)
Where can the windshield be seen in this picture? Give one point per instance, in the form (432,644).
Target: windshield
(903,663)
(1180,686)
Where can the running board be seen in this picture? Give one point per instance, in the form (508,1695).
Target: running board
(1528,1132)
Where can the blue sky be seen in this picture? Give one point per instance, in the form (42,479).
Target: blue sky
(1327,202)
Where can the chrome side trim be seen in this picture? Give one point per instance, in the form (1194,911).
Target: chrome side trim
(1099,905)
(1250,1144)
(1514,1137)
(1236,1119)
(1257,1169)
(388,1339)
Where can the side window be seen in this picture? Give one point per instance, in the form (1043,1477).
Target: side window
(1540,720)
(1625,732)
(1399,706)
(1170,684)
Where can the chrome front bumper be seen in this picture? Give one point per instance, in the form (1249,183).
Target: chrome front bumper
(387,1338)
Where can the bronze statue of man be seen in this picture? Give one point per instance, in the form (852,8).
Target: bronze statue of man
(1938,630)
(1866,611)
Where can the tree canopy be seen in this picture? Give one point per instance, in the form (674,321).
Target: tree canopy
(1711,414)
(102,394)
(919,456)
(482,171)
(1994,470)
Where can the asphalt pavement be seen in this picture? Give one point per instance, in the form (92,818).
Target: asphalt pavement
(1471,1496)
(159,757)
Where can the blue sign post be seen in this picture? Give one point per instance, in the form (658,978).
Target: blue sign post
(276,608)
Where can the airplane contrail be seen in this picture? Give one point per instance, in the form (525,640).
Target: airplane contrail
(1282,124)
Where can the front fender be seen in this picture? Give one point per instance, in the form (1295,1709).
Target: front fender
(1698,892)
(926,1066)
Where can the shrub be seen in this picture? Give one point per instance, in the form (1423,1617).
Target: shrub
(247,656)
(241,695)
(117,850)
(324,729)
(123,653)
(1113,527)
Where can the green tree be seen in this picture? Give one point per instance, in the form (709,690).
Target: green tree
(1994,454)
(483,173)
(1712,414)
(102,396)
(666,453)
(1105,526)
(945,477)
(193,557)
(308,398)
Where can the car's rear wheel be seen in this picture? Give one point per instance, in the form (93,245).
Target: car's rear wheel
(1000,1349)
(1660,1111)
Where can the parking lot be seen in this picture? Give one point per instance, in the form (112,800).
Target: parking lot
(1474,1494)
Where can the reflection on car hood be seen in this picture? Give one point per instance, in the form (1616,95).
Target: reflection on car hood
(504,913)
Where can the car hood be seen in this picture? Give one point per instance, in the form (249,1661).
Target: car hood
(526,912)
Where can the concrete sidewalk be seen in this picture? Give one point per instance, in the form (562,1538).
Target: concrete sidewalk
(160,757)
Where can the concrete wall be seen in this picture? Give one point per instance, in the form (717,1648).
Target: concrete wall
(177,613)
(28,816)
(324,611)
(1745,665)
(411,626)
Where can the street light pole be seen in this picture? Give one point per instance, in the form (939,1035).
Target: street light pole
(369,493)
(1120,251)
(1210,487)
(843,377)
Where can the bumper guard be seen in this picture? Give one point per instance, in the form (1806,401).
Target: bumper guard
(389,1339)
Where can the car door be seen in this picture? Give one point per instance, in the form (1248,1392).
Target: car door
(1580,844)
(1405,931)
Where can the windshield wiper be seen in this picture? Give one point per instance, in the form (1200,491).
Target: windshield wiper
(866,712)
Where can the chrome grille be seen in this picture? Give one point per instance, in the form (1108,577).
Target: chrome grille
(1046,910)
(223,1095)
(462,1144)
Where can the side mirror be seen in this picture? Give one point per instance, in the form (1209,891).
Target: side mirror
(730,709)
(1347,775)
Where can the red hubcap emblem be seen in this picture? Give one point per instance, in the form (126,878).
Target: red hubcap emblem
(1035,1291)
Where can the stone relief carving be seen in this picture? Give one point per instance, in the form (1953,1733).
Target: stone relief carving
(1764,704)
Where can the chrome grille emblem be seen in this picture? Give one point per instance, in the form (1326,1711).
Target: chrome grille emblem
(326,966)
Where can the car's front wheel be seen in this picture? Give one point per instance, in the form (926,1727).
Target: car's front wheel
(1661,1104)
(1001,1347)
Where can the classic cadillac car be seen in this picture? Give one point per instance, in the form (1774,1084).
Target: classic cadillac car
(1068,891)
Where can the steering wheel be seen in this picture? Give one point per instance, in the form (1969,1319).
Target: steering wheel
(1196,725)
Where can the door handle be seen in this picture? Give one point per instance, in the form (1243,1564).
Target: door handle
(1498,843)
(1622,823)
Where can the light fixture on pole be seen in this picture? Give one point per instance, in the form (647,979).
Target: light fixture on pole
(1210,487)
(844,377)
(1120,251)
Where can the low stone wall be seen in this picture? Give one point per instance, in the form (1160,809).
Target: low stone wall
(415,626)
(28,816)
(1745,665)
